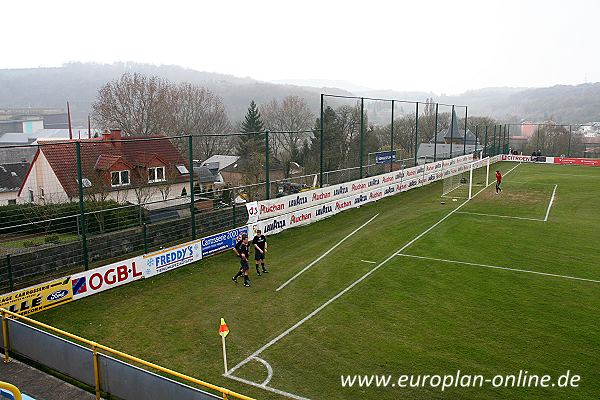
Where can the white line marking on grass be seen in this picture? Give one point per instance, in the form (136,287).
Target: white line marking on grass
(550,204)
(325,254)
(369,262)
(501,216)
(579,175)
(269,370)
(502,268)
(268,388)
(337,296)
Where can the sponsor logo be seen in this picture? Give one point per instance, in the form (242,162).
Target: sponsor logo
(431,177)
(375,195)
(274,225)
(112,276)
(79,285)
(389,190)
(412,183)
(358,186)
(360,199)
(294,219)
(172,257)
(373,182)
(400,175)
(272,208)
(388,179)
(323,210)
(411,173)
(340,205)
(321,196)
(341,190)
(57,295)
(420,170)
(299,200)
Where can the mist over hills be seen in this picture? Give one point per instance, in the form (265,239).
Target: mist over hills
(79,83)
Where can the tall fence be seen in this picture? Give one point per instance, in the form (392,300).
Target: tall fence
(106,370)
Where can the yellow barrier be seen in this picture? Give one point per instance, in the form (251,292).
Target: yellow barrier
(11,388)
(97,346)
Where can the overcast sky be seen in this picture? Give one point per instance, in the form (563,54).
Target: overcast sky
(440,46)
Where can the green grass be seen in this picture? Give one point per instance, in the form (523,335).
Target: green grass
(411,316)
(27,242)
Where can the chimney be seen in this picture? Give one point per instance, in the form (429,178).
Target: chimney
(115,136)
(106,135)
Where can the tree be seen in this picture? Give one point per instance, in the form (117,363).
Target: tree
(251,146)
(291,115)
(134,103)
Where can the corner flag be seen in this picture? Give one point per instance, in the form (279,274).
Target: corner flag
(223,329)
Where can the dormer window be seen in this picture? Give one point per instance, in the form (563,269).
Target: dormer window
(156,174)
(119,178)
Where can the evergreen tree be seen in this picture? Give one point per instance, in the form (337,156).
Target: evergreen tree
(252,124)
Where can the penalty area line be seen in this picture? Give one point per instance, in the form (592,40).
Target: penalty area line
(550,204)
(325,254)
(527,271)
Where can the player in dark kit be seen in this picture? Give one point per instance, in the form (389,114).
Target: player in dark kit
(498,182)
(260,250)
(242,249)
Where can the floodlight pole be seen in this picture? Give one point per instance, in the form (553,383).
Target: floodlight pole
(267,177)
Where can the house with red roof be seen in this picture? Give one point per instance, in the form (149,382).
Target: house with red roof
(134,170)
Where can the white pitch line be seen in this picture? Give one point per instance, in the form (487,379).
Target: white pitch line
(324,254)
(501,216)
(550,204)
(502,268)
(269,370)
(267,388)
(337,296)
(369,262)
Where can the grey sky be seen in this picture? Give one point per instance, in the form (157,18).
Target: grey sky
(441,46)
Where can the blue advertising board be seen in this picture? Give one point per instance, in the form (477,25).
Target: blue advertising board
(221,241)
(383,157)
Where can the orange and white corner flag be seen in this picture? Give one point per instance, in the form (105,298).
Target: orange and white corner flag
(223,329)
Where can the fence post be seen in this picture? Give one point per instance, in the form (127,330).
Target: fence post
(145,232)
(416,131)
(435,133)
(392,140)
(234,221)
(494,140)
(5,336)
(321,123)
(451,130)
(569,148)
(507,138)
(192,194)
(84,246)
(10,273)
(362,134)
(267,178)
(465,139)
(485,143)
(96,371)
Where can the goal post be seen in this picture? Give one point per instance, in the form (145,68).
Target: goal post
(460,185)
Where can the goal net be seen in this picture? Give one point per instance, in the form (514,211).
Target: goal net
(464,184)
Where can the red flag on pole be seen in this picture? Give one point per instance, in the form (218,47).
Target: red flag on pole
(223,328)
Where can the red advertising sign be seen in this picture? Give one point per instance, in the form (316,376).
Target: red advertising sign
(590,162)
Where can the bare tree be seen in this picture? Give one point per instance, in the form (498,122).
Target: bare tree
(292,115)
(134,103)
(196,110)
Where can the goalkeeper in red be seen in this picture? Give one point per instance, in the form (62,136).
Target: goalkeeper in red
(498,182)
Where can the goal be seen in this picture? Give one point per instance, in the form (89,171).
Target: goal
(463,185)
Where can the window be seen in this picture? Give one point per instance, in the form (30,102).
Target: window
(31,195)
(12,201)
(119,178)
(42,192)
(182,169)
(156,174)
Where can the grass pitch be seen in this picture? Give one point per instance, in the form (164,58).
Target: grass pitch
(481,292)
